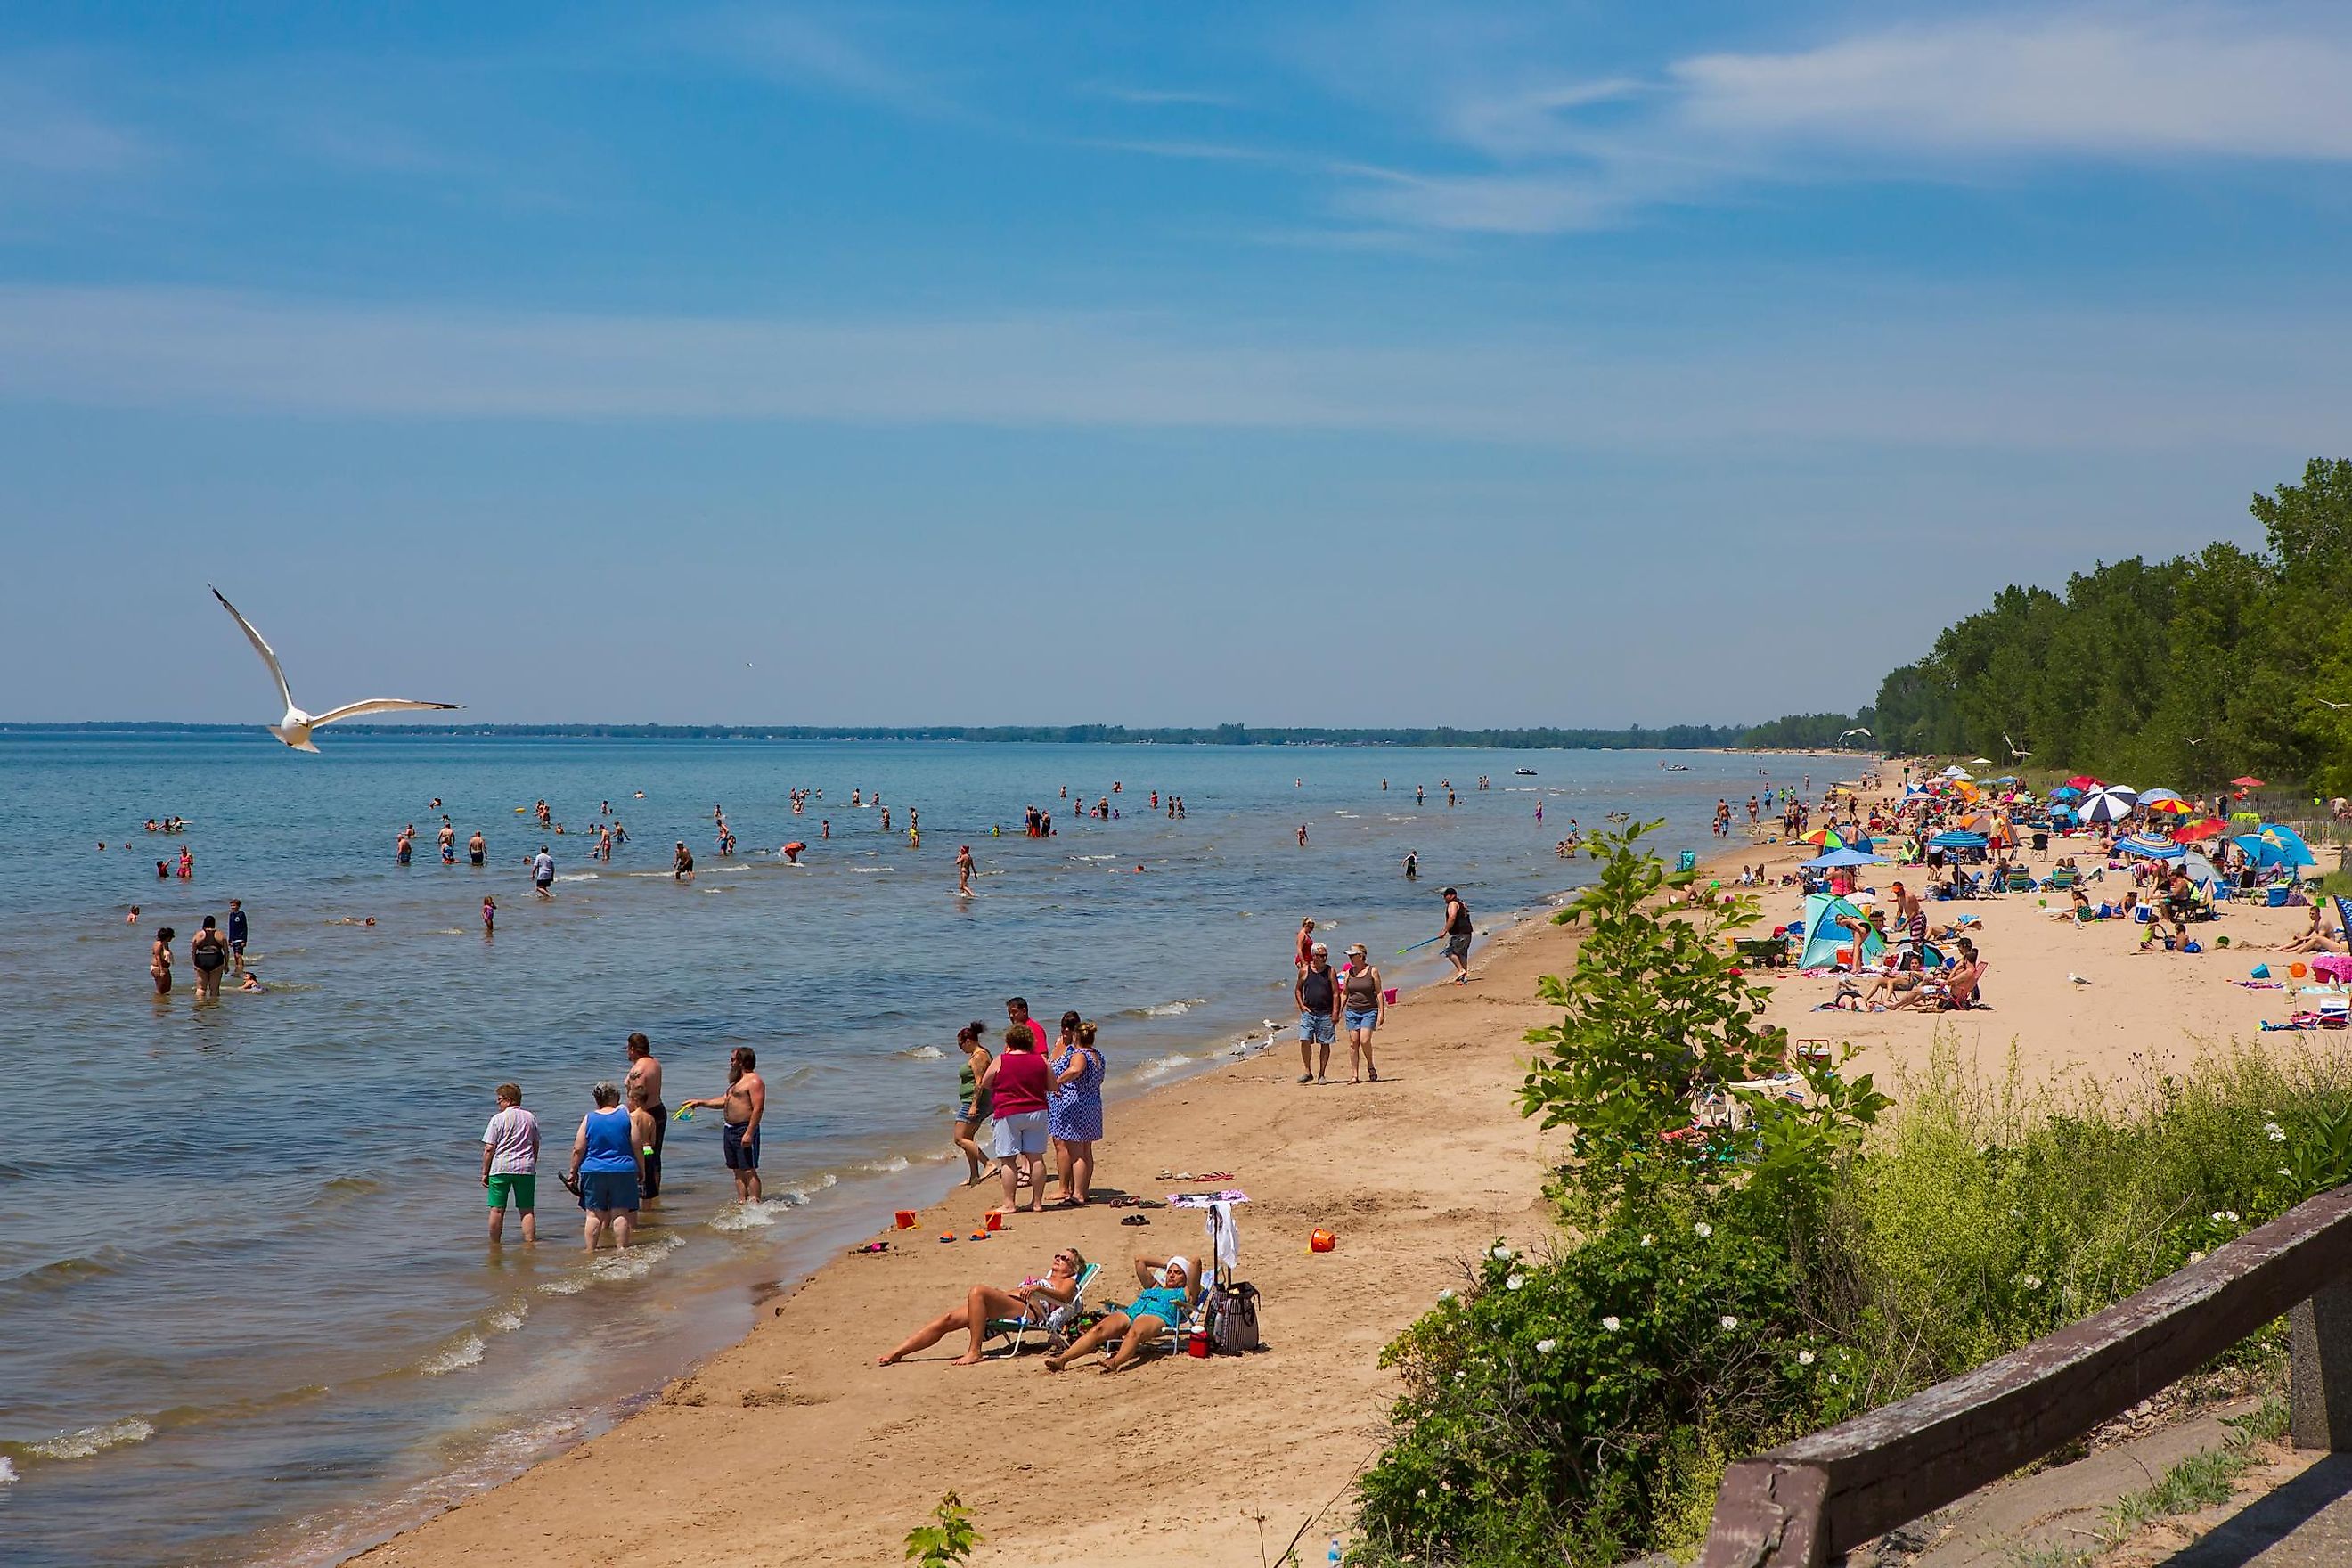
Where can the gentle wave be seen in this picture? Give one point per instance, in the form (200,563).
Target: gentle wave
(92,1440)
(577,875)
(1174,1009)
(887,1167)
(65,1272)
(510,1320)
(7,1472)
(923,1054)
(614,1268)
(467,1352)
(758,1215)
(862,870)
(1162,1067)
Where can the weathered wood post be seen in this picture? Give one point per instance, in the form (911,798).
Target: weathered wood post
(2319,1369)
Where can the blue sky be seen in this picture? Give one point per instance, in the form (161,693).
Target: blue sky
(1577,363)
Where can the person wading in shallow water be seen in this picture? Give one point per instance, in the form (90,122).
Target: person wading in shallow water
(646,1074)
(743,1105)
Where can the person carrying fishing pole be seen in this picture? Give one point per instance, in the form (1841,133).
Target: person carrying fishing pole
(1457,936)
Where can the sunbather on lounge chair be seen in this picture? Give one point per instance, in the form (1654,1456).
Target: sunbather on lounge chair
(1156,1311)
(1031,1299)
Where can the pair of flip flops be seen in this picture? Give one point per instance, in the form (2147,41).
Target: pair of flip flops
(1135,1219)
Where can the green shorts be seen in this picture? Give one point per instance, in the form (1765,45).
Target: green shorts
(524,1188)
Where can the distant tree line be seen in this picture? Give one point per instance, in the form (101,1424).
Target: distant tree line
(1814,731)
(2185,672)
(1673,738)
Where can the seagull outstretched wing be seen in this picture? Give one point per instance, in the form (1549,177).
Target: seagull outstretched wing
(378,705)
(269,655)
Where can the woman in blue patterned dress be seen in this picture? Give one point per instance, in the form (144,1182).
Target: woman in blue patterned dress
(1074,1114)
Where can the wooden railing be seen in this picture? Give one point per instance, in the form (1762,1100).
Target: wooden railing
(1802,1505)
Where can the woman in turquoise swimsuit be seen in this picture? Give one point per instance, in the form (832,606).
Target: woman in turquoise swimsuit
(1154,1313)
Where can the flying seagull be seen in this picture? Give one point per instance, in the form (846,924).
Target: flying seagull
(1857,729)
(2014,754)
(295,727)
(2325,703)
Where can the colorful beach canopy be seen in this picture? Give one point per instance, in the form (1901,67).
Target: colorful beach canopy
(2199,831)
(1824,936)
(2171,806)
(2066,792)
(1823,838)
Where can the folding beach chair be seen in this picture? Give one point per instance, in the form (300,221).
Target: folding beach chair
(2061,880)
(1051,1326)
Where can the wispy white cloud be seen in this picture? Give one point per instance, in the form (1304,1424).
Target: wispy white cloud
(798,48)
(2144,85)
(1896,372)
(44,130)
(1571,151)
(1160,96)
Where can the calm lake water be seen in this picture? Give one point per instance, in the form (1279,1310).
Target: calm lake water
(246,1310)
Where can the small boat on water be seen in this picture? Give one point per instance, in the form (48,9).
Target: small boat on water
(1524,773)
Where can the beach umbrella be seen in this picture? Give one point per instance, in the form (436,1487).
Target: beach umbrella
(2150,797)
(1980,760)
(2199,831)
(1957,840)
(1824,837)
(2107,805)
(1845,857)
(2249,782)
(2066,792)
(2149,846)
(2176,806)
(1824,936)
(2082,780)
(2006,779)
(1957,772)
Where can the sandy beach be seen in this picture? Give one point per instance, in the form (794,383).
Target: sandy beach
(793,1445)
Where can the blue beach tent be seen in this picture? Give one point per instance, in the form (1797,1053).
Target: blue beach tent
(1824,936)
(2292,850)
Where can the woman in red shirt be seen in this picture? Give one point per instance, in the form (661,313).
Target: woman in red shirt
(1017,1082)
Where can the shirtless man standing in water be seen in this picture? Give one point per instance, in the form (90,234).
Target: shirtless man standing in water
(682,864)
(645,1075)
(743,1105)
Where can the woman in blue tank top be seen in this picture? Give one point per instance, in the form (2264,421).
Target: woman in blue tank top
(606,1167)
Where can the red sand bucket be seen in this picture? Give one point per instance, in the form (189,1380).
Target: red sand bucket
(1388,995)
(906,1219)
(995,1220)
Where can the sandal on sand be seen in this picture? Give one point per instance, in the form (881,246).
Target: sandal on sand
(1135,1219)
(1307,1077)
(1376,1075)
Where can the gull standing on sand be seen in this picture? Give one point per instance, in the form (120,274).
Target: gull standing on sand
(295,728)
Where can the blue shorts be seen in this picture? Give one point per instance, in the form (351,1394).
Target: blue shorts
(1024,1133)
(1360,1018)
(1316,1029)
(609,1190)
(742,1154)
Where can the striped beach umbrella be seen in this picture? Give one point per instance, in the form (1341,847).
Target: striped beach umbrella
(2175,807)
(2107,805)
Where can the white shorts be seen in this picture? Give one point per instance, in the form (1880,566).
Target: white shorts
(1021,1134)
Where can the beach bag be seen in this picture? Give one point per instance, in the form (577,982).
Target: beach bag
(1233,1318)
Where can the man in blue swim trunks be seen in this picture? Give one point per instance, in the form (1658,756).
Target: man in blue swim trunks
(1156,1311)
(743,1105)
